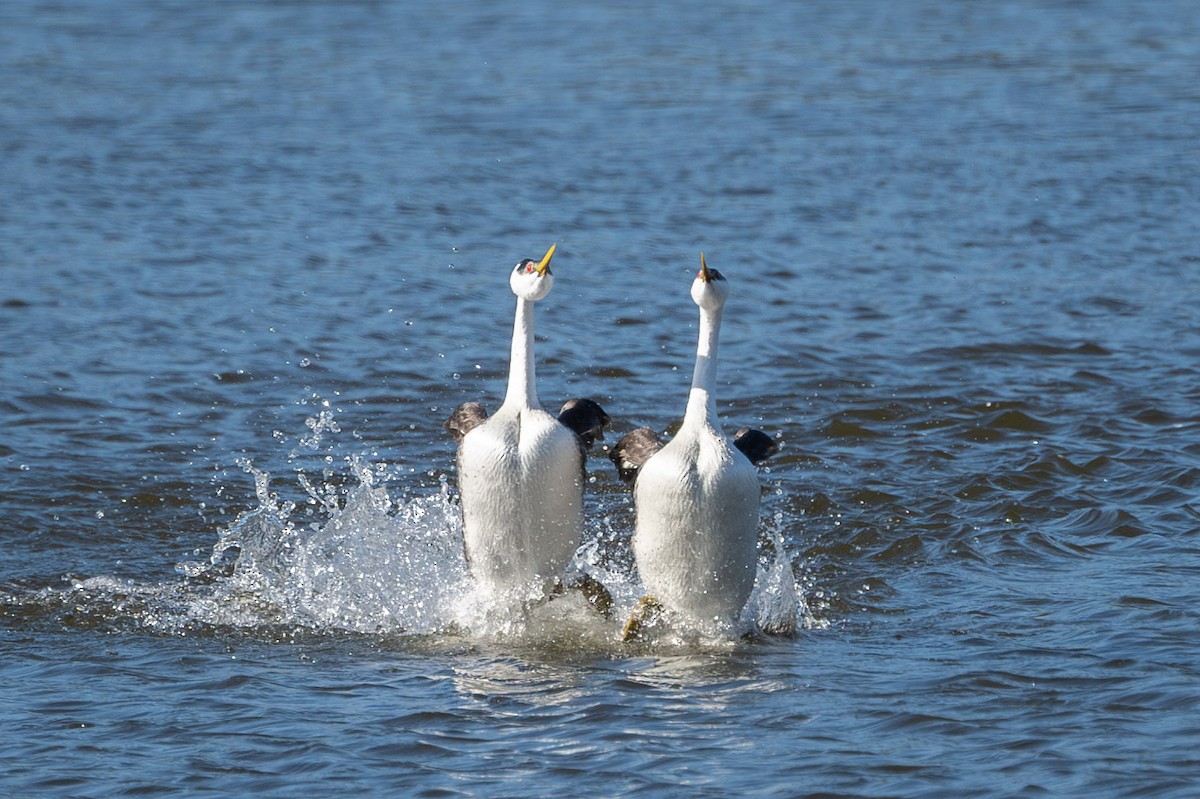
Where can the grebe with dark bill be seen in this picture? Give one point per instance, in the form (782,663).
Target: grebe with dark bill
(696,498)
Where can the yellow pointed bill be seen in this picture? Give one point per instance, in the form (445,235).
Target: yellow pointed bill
(544,265)
(705,275)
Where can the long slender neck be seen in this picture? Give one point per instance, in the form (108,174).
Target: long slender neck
(702,405)
(522,391)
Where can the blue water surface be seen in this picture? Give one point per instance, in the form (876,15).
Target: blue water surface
(253,253)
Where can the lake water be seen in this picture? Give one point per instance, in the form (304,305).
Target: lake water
(253,253)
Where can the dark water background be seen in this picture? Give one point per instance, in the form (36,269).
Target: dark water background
(241,239)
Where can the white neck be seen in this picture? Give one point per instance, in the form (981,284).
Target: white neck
(521,389)
(702,406)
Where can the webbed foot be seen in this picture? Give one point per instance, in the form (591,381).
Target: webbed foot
(593,592)
(596,594)
(645,614)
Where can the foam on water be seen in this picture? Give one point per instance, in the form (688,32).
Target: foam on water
(349,557)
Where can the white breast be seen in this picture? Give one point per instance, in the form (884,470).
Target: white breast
(697,526)
(521,484)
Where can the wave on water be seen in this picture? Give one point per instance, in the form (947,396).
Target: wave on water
(381,565)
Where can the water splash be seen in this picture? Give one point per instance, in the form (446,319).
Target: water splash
(779,599)
(373,566)
(347,556)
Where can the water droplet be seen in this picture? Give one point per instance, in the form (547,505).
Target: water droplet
(305,362)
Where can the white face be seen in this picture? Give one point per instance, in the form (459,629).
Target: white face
(527,283)
(710,294)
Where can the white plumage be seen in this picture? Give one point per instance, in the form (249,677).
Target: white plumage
(696,498)
(520,471)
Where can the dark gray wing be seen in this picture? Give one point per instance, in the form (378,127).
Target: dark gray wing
(754,444)
(632,450)
(466,417)
(586,419)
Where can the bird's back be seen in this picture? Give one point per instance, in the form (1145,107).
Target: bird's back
(697,525)
(519,477)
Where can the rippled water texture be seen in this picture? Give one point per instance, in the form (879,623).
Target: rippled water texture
(253,253)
